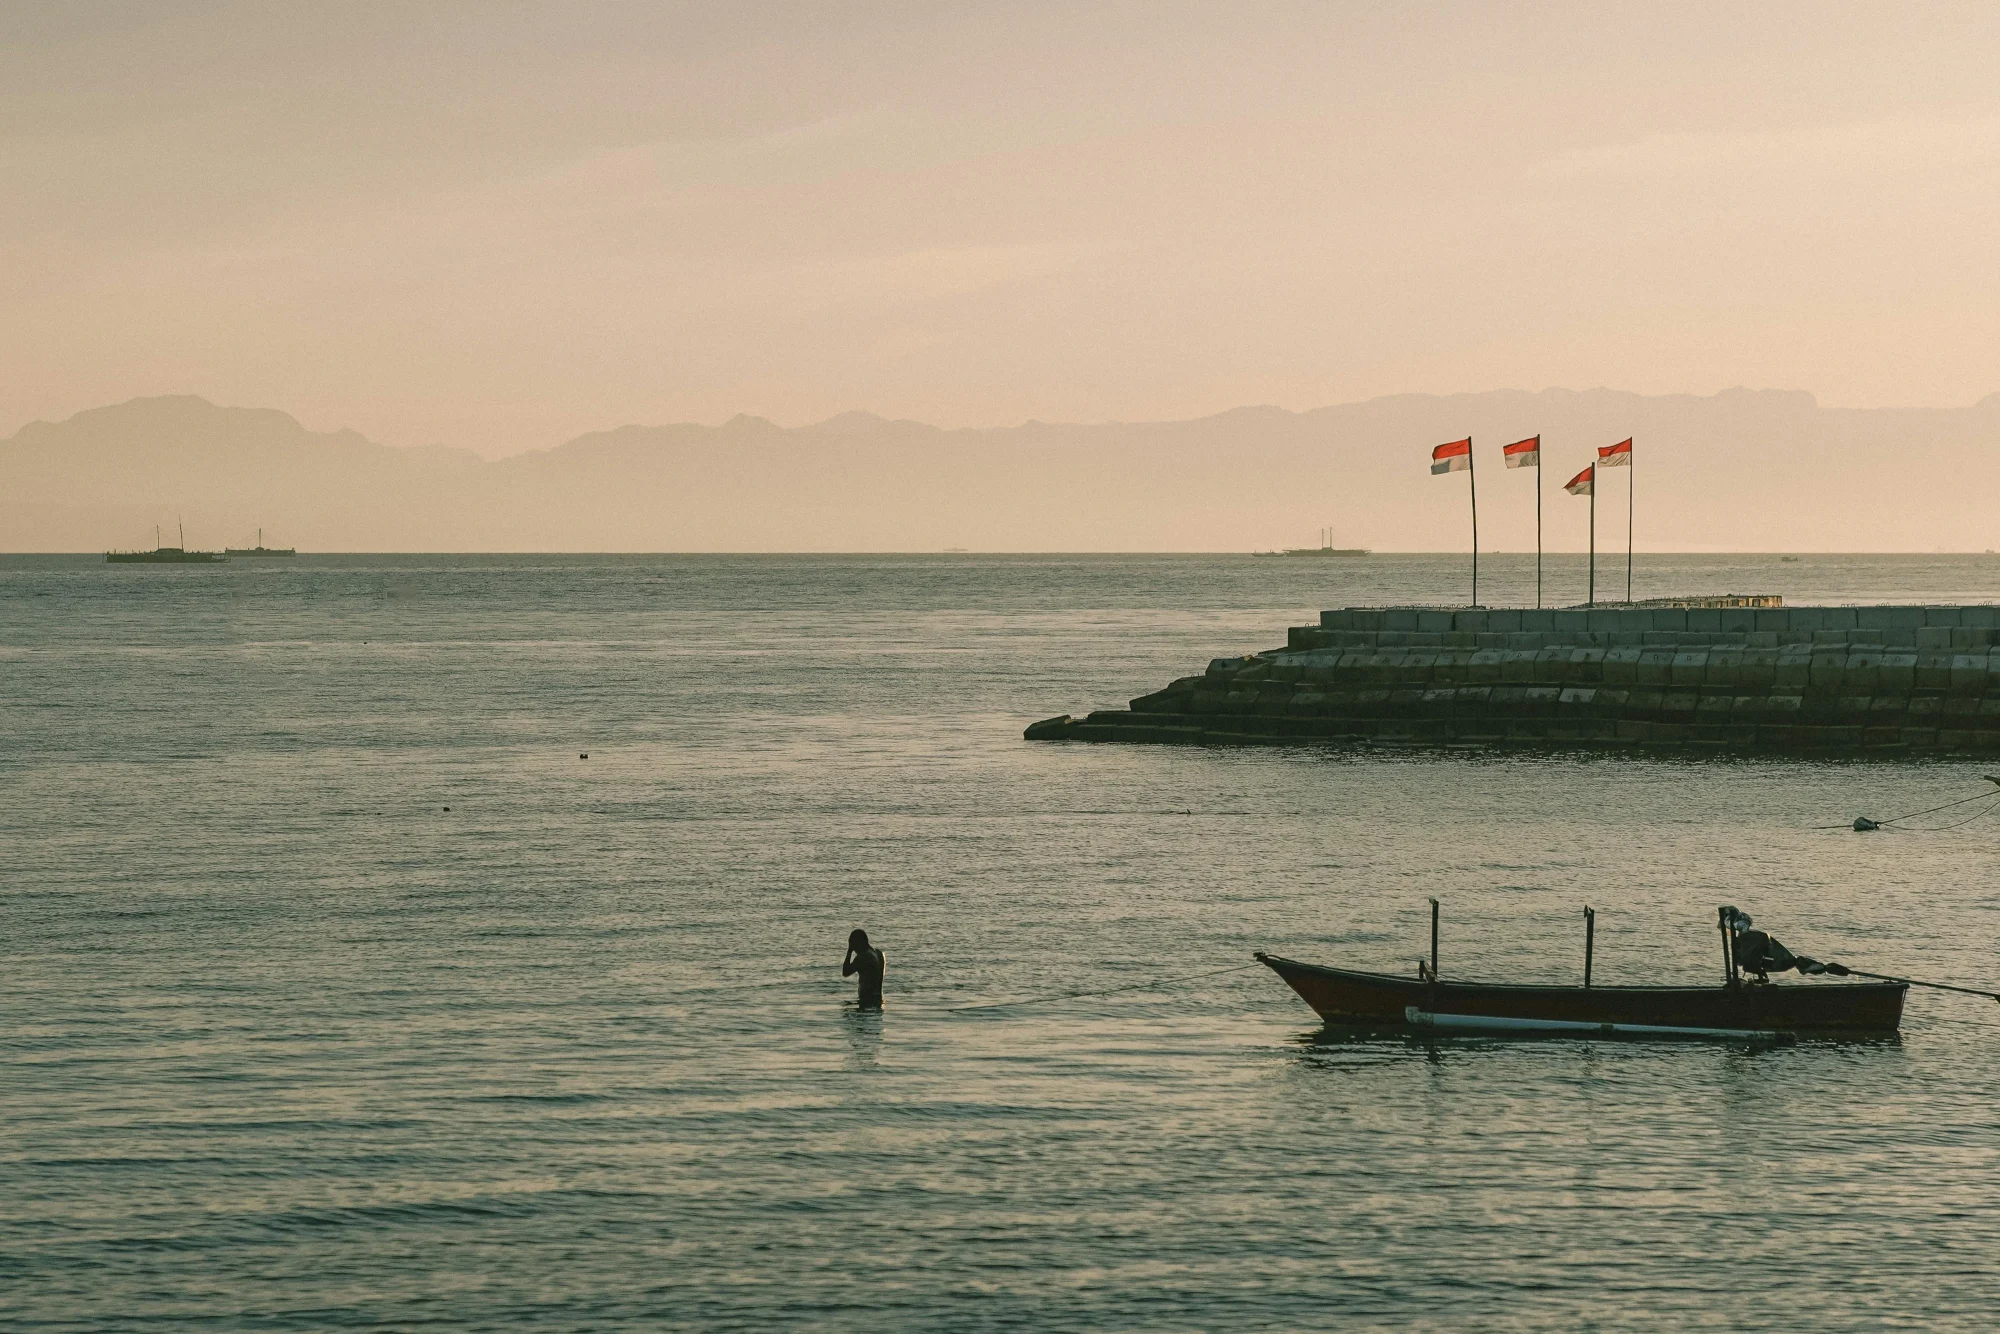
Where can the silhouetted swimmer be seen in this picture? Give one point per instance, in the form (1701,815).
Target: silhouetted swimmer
(866,960)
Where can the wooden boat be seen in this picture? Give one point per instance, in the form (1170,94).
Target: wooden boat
(164,555)
(1745,1009)
(260,549)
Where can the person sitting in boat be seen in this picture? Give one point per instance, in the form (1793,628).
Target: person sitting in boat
(1761,953)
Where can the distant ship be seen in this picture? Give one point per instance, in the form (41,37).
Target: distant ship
(1326,548)
(160,555)
(260,549)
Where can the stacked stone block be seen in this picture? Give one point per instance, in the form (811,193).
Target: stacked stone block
(1805,679)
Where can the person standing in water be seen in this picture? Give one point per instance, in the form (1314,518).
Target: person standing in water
(866,960)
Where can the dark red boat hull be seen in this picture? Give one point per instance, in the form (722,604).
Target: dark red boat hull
(1343,996)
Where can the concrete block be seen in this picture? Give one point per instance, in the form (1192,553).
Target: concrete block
(1472,620)
(1933,637)
(1576,697)
(1679,705)
(1984,618)
(1621,665)
(1704,620)
(1737,620)
(1502,622)
(1896,671)
(1485,665)
(1660,638)
(1490,640)
(1336,620)
(1690,666)
(1655,667)
(1968,674)
(1274,700)
(1399,618)
(1889,618)
(1540,700)
(1570,622)
(1933,671)
(1668,619)
(1842,618)
(1946,618)
(1828,668)
(1472,699)
(1775,619)
(1433,621)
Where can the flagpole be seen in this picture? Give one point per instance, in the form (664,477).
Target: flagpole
(1472,468)
(1538,523)
(1631,480)
(1593,536)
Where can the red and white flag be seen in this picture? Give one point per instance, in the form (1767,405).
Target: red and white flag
(1454,457)
(1616,456)
(1523,453)
(1584,483)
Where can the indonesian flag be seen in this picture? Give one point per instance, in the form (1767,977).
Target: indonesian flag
(1584,483)
(1523,453)
(1616,456)
(1454,457)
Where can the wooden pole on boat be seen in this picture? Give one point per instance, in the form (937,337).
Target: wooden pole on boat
(1589,940)
(1434,940)
(1728,954)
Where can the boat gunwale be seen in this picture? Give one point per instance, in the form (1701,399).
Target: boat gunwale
(1271,960)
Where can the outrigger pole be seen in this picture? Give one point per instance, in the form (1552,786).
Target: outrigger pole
(1845,971)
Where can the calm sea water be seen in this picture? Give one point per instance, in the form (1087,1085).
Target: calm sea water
(340,992)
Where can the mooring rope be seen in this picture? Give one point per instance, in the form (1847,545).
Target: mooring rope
(1928,810)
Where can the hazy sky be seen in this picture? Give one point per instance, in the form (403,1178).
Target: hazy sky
(498,225)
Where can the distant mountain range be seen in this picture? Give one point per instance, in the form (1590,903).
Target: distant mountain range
(1740,471)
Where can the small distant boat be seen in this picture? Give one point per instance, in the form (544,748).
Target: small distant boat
(161,555)
(1789,560)
(260,549)
(1326,548)
(1737,1009)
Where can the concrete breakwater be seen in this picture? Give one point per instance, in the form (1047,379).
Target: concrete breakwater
(1737,673)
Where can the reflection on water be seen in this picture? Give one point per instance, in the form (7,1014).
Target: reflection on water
(290,1045)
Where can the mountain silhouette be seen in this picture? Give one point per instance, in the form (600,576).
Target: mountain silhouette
(1743,470)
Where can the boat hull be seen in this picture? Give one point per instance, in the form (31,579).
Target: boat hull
(164,556)
(1344,996)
